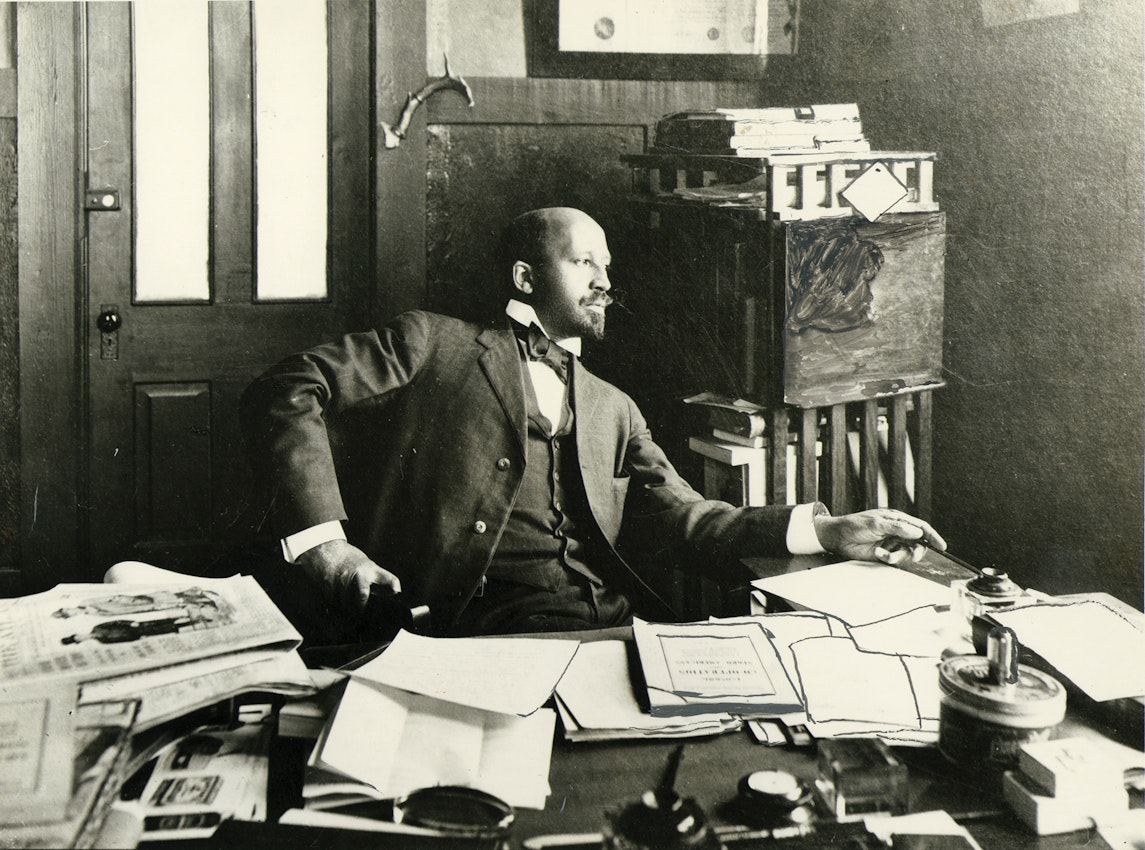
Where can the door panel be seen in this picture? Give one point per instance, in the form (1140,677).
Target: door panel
(167,477)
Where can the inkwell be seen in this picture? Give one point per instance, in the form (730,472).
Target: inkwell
(661,819)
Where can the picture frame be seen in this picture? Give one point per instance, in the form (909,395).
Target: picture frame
(682,61)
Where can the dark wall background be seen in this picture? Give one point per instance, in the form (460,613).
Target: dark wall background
(1039,126)
(9,362)
(1039,431)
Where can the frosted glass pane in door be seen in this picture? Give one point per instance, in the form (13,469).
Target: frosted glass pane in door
(290,138)
(172,151)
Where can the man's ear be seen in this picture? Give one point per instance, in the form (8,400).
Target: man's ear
(523,277)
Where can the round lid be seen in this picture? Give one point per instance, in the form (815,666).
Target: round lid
(993,583)
(454,809)
(1035,699)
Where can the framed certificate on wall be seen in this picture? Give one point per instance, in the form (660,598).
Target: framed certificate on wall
(660,39)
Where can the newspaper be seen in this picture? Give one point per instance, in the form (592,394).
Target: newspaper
(86,632)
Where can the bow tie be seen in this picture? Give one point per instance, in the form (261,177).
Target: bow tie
(539,347)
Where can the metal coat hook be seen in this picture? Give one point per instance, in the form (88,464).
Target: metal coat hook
(393,134)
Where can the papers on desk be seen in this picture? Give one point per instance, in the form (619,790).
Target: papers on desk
(596,701)
(509,675)
(397,742)
(857,592)
(849,691)
(1087,642)
(448,711)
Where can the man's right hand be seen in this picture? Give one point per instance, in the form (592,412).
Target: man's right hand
(345,573)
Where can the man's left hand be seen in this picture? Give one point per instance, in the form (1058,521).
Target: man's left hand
(882,534)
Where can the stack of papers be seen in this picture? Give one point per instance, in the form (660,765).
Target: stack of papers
(863,648)
(597,702)
(442,711)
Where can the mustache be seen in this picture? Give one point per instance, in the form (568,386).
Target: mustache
(604,299)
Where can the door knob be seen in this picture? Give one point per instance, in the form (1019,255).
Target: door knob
(109,321)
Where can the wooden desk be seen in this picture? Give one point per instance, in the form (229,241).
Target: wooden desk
(590,779)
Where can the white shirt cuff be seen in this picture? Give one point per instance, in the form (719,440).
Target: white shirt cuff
(801,537)
(308,538)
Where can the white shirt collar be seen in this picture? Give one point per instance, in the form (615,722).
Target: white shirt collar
(524,313)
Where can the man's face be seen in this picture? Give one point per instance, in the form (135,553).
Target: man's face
(570,285)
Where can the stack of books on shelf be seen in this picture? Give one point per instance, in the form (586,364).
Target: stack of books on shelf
(763,132)
(732,420)
(787,163)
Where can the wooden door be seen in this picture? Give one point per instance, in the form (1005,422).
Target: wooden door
(228,216)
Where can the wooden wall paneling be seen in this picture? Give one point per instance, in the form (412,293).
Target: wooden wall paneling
(399,173)
(504,100)
(351,234)
(232,155)
(48,228)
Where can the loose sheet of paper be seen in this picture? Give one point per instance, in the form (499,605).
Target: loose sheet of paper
(857,592)
(842,683)
(1090,644)
(399,742)
(510,675)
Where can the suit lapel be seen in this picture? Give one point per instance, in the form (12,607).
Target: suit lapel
(501,363)
(592,440)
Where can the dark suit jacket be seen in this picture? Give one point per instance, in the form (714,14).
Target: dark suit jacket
(416,435)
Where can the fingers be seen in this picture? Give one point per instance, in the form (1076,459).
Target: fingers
(892,523)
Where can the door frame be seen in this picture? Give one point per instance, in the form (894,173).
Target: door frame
(53,313)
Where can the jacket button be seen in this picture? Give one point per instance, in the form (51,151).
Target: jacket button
(479,527)
(503,463)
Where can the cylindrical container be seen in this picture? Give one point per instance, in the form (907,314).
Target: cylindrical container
(983,721)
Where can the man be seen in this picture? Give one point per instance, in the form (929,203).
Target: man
(485,472)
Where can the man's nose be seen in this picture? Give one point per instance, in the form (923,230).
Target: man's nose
(600,280)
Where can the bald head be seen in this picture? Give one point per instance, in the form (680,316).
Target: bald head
(531,236)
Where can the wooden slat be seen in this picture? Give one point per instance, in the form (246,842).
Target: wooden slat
(400,173)
(231,155)
(923,453)
(777,457)
(512,100)
(351,233)
(837,454)
(807,481)
(869,453)
(896,447)
(47,239)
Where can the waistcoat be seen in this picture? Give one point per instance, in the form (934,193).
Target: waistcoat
(542,538)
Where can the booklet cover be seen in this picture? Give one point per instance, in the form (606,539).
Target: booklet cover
(690,668)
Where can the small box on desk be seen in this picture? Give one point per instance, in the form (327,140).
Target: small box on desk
(1048,815)
(859,777)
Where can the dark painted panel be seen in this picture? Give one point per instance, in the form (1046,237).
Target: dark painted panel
(173,461)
